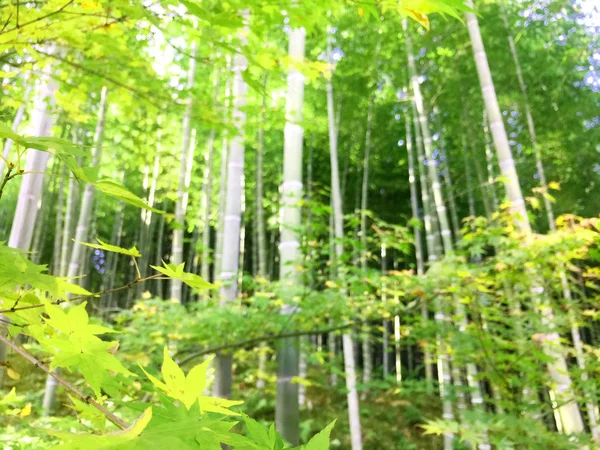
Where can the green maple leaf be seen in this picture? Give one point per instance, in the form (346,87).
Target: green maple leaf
(75,345)
(16,270)
(114,441)
(113,248)
(189,389)
(176,272)
(320,441)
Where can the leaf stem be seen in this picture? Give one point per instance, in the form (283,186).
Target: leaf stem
(79,297)
(265,338)
(86,398)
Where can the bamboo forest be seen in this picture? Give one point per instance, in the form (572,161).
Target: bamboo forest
(300,224)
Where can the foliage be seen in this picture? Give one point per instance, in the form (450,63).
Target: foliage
(99,332)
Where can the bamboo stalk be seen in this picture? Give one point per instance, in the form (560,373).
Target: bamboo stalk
(347,344)
(185,160)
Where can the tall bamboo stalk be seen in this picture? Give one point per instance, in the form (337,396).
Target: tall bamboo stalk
(232,218)
(112,259)
(67,231)
(447,176)
(366,341)
(468,175)
(207,189)
(30,192)
(44,212)
(260,234)
(481,181)
(158,257)
(568,410)
(348,345)
(489,159)
(87,201)
(182,187)
(81,232)
(414,203)
(443,358)
(222,185)
(435,184)
(287,417)
(575,334)
(260,210)
(147,220)
(58,228)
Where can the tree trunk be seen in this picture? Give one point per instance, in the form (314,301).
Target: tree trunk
(468,176)
(58,228)
(287,416)
(489,159)
(182,188)
(431,241)
(44,211)
(85,211)
(260,235)
(233,209)
(422,130)
(577,343)
(207,191)
(67,232)
(481,182)
(147,220)
(260,211)
(568,409)
(529,116)
(366,342)
(158,257)
(222,188)
(81,234)
(30,192)
(113,259)
(348,345)
(447,176)
(414,203)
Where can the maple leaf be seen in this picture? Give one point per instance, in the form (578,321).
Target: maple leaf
(177,273)
(75,345)
(189,389)
(119,440)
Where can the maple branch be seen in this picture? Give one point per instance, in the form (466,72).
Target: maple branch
(265,338)
(14,308)
(106,77)
(7,21)
(137,269)
(45,16)
(8,176)
(86,398)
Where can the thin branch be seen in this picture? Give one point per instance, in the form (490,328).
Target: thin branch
(45,16)
(80,297)
(86,398)
(7,22)
(265,338)
(137,268)
(8,176)
(105,77)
